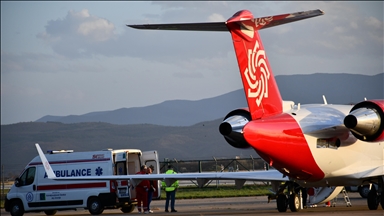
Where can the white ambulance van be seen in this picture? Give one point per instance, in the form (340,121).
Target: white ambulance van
(33,191)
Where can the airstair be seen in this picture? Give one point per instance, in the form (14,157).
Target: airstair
(345,196)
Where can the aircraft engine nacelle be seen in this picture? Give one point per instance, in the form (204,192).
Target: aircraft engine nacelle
(232,128)
(366,121)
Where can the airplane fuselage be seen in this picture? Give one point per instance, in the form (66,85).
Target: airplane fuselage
(311,145)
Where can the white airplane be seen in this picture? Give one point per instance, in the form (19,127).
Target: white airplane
(314,145)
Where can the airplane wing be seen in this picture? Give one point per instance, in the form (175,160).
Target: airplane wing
(201,178)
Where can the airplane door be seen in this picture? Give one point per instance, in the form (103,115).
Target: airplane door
(151,159)
(27,187)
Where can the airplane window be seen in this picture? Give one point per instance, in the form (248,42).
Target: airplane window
(328,143)
(322,143)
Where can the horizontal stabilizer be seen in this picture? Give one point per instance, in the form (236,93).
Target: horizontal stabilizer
(293,17)
(221,26)
(213,26)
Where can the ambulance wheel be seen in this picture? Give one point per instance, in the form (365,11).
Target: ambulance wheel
(281,202)
(128,209)
(294,202)
(94,206)
(17,208)
(50,212)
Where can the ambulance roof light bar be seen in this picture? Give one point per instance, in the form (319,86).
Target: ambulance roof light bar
(60,151)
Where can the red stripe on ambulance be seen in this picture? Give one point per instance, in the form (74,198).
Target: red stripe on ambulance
(72,186)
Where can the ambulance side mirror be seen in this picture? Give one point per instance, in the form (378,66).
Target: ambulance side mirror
(17,182)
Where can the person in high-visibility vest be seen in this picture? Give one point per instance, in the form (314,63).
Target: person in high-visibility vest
(170,191)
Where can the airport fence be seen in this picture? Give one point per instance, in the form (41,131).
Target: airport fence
(215,165)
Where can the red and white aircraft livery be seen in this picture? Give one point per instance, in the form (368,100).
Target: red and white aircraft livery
(314,145)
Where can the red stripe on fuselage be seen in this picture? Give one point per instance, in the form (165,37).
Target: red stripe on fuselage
(72,186)
(279,140)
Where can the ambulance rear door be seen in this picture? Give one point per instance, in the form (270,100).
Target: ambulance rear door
(121,168)
(151,158)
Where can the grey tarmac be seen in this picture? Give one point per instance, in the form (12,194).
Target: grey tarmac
(239,206)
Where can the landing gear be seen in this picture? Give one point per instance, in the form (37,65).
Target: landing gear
(282,202)
(363,190)
(376,197)
(294,202)
(372,199)
(382,201)
(293,199)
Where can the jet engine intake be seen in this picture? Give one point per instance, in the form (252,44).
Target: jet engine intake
(366,121)
(232,128)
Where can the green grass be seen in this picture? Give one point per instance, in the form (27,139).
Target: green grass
(2,197)
(193,192)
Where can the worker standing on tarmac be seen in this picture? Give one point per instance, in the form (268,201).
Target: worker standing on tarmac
(170,191)
(152,188)
(142,191)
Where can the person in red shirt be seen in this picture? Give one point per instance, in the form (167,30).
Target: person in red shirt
(142,192)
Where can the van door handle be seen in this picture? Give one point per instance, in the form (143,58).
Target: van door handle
(34,187)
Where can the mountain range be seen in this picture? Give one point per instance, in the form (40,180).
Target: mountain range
(337,88)
(181,129)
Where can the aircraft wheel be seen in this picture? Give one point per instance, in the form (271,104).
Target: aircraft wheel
(372,199)
(294,202)
(94,206)
(282,203)
(363,190)
(382,200)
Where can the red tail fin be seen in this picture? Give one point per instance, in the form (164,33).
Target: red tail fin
(260,87)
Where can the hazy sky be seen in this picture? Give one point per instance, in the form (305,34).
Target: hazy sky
(71,58)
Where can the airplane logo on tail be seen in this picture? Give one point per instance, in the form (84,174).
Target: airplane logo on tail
(258,86)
